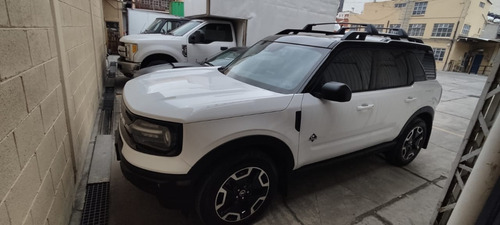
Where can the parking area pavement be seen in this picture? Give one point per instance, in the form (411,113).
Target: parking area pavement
(358,191)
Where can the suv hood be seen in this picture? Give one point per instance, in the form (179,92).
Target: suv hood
(198,94)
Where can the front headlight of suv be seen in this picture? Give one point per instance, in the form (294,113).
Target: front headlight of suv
(155,138)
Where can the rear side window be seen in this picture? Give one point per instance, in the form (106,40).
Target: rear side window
(390,70)
(429,65)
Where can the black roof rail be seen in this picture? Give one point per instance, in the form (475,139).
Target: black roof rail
(354,33)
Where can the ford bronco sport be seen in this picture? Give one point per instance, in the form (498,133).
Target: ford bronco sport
(222,140)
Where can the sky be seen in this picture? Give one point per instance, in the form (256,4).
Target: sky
(358,5)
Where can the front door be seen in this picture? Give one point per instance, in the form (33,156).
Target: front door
(216,37)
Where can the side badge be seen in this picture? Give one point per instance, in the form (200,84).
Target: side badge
(313,137)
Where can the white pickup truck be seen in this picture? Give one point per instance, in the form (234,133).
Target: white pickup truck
(193,42)
(218,25)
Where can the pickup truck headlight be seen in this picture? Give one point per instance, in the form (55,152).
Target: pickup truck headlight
(155,138)
(132,49)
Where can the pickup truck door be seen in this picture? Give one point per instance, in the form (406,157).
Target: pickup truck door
(216,37)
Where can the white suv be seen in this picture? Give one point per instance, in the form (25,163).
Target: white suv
(222,140)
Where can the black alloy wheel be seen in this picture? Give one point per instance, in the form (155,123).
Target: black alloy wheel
(409,144)
(238,193)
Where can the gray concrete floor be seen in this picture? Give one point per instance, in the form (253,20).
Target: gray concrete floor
(359,191)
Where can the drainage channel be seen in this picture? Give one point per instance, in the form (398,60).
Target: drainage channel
(96,206)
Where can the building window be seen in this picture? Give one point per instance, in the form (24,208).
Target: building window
(400,5)
(394,27)
(442,30)
(419,8)
(439,53)
(465,30)
(481,4)
(416,29)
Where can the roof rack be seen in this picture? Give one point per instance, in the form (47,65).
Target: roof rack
(353,32)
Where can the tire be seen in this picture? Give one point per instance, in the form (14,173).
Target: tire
(409,144)
(238,191)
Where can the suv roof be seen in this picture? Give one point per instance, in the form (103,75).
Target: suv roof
(346,32)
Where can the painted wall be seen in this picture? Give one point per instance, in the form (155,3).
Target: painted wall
(51,66)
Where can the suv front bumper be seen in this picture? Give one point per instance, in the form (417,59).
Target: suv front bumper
(127,68)
(173,191)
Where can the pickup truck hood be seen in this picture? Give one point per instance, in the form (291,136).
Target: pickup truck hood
(198,94)
(138,38)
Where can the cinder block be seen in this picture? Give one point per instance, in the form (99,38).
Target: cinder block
(4,19)
(73,58)
(12,105)
(56,216)
(67,149)
(35,86)
(52,74)
(66,14)
(60,129)
(23,192)
(20,13)
(28,220)
(39,45)
(29,135)
(50,111)
(68,180)
(14,53)
(42,14)
(10,167)
(43,199)
(45,152)
(52,42)
(4,217)
(57,167)
(60,99)
(70,37)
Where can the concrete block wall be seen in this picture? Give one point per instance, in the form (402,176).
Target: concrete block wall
(51,66)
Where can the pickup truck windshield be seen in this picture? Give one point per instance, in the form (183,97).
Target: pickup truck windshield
(275,66)
(155,27)
(180,31)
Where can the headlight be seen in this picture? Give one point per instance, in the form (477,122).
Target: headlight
(132,49)
(155,138)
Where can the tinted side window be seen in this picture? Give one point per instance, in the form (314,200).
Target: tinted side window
(350,66)
(217,32)
(429,65)
(390,69)
(414,59)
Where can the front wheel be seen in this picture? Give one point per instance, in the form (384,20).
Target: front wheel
(409,144)
(238,192)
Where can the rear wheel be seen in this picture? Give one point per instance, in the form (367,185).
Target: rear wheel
(409,144)
(239,191)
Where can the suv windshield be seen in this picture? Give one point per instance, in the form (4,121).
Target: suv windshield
(185,28)
(276,66)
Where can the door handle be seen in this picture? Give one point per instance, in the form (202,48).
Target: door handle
(410,99)
(365,107)
(223,48)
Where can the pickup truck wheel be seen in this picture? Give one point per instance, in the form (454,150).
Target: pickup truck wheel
(409,144)
(238,192)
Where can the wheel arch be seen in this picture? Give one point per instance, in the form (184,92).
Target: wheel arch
(277,150)
(157,56)
(427,115)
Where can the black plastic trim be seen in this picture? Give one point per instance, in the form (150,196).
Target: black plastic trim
(298,120)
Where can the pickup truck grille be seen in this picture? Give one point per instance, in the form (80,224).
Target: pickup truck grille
(122,50)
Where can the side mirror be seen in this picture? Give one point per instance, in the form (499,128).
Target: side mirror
(335,91)
(196,37)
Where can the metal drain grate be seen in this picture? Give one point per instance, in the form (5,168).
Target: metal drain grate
(96,208)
